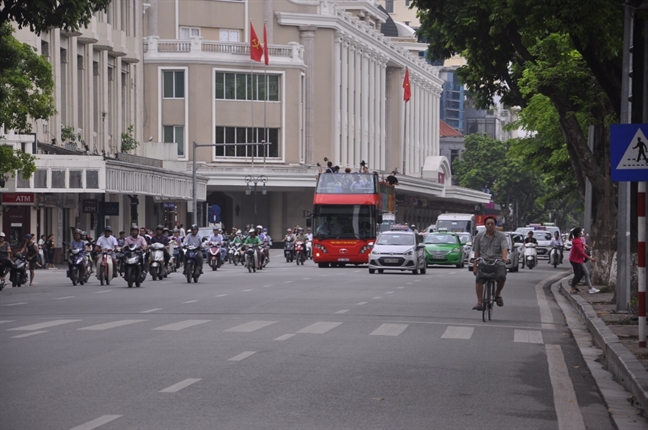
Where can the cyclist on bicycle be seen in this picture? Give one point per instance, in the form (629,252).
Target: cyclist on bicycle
(490,245)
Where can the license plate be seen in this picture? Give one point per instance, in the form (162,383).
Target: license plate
(343,259)
(391,260)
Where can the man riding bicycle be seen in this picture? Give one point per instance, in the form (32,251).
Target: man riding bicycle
(490,245)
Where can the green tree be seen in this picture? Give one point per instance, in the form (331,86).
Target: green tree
(41,15)
(12,160)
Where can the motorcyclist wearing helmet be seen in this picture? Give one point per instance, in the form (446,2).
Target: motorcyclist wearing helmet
(309,233)
(301,236)
(109,243)
(238,238)
(162,238)
(193,239)
(289,235)
(217,238)
(267,243)
(81,245)
(252,239)
(136,239)
(121,238)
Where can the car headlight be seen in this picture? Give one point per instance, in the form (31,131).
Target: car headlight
(456,249)
(410,252)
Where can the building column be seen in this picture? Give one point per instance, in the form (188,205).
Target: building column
(351,106)
(388,117)
(382,114)
(344,102)
(337,90)
(357,141)
(307,39)
(371,102)
(366,72)
(268,16)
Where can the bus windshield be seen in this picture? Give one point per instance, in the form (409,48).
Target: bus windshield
(344,221)
(454,225)
(346,183)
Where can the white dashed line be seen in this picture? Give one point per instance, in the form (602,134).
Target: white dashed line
(112,324)
(190,301)
(29,334)
(285,336)
(6,321)
(44,325)
(242,356)
(180,385)
(361,303)
(319,327)
(221,295)
(250,326)
(400,288)
(63,298)
(389,330)
(104,291)
(90,425)
(288,282)
(389,292)
(376,298)
(16,304)
(151,310)
(453,332)
(528,336)
(181,325)
(343,311)
(245,291)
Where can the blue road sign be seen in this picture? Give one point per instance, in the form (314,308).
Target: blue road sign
(629,152)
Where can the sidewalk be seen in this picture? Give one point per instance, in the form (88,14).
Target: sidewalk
(616,335)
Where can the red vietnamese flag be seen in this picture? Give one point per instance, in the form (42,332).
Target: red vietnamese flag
(256,50)
(266,55)
(407,91)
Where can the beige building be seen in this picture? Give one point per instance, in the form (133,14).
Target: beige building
(333,88)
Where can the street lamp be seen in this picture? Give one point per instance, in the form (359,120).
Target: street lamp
(248,190)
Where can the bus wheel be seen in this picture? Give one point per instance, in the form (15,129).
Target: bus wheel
(322,265)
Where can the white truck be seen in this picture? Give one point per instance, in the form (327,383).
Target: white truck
(457,223)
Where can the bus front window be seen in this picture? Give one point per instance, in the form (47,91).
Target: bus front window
(344,221)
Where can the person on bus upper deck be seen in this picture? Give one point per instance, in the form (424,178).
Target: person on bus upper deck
(392,179)
(363,167)
(329,167)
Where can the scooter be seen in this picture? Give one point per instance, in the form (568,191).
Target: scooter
(300,252)
(171,267)
(252,258)
(191,269)
(530,255)
(105,270)
(554,256)
(289,250)
(156,261)
(133,263)
(78,270)
(309,250)
(18,273)
(235,253)
(214,255)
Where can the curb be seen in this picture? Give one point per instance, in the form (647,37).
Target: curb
(620,361)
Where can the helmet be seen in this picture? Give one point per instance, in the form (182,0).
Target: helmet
(300,229)
(252,231)
(29,236)
(2,234)
(260,227)
(194,226)
(239,232)
(108,228)
(84,233)
(134,228)
(289,230)
(122,232)
(265,230)
(77,232)
(309,229)
(216,228)
(160,227)
(412,226)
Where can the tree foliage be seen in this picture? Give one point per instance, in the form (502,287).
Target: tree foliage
(26,83)
(41,15)
(12,160)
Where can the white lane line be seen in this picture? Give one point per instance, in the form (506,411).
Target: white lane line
(63,298)
(104,291)
(181,325)
(306,279)
(400,288)
(376,298)
(242,356)
(285,337)
(6,321)
(29,334)
(44,325)
(546,317)
(190,301)
(319,327)
(409,283)
(453,332)
(452,273)
(565,401)
(527,336)
(266,286)
(90,425)
(16,304)
(112,324)
(418,280)
(357,271)
(389,292)
(389,330)
(250,326)
(251,289)
(288,282)
(180,385)
(151,310)
(361,303)
(221,295)
(343,311)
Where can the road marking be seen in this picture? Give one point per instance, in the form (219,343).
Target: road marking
(251,326)
(389,330)
(319,327)
(453,332)
(343,311)
(221,295)
(44,325)
(400,288)
(16,304)
(527,336)
(181,325)
(151,310)
(190,301)
(104,291)
(62,298)
(472,325)
(389,292)
(306,279)
(288,282)
(6,321)
(112,324)
(357,271)
(565,401)
(242,356)
(546,317)
(245,291)
(90,425)
(418,280)
(376,298)
(29,334)
(409,283)
(180,385)
(361,303)
(266,286)
(452,273)
(285,336)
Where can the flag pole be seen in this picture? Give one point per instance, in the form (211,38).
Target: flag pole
(404,138)
(265,98)
(252,105)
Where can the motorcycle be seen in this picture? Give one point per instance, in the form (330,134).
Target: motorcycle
(252,258)
(300,252)
(172,267)
(105,270)
(530,255)
(191,269)
(156,261)
(309,250)
(78,269)
(289,250)
(18,273)
(134,272)
(214,255)
(234,252)
(554,256)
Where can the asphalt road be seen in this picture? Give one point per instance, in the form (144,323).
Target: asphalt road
(291,347)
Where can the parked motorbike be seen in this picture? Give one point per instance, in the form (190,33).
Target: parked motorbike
(156,261)
(18,273)
(78,269)
(530,255)
(289,250)
(300,252)
(214,255)
(252,258)
(191,269)
(133,265)
(554,256)
(105,270)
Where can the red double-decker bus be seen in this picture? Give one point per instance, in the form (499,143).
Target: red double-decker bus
(346,209)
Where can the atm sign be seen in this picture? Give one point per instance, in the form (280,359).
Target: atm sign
(18,198)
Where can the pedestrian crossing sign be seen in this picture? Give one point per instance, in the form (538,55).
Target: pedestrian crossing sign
(629,152)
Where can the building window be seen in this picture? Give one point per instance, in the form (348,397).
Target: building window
(175,134)
(229,35)
(58,178)
(241,135)
(246,86)
(76,178)
(187,33)
(40,178)
(407,3)
(92,179)
(389,6)
(174,84)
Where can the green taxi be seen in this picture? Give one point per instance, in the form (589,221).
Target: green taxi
(444,248)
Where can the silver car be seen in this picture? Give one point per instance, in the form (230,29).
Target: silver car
(514,240)
(397,250)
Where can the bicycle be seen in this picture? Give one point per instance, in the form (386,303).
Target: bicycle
(487,270)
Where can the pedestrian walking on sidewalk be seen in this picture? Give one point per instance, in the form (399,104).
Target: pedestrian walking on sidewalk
(577,258)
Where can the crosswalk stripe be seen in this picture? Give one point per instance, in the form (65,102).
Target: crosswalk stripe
(285,337)
(528,336)
(151,310)
(190,301)
(31,333)
(44,325)
(319,327)
(343,311)
(181,325)
(180,385)
(6,321)
(90,425)
(389,330)
(62,298)
(453,332)
(361,303)
(221,295)
(251,326)
(108,325)
(242,356)
(16,304)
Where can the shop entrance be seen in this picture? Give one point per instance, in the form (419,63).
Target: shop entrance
(16,223)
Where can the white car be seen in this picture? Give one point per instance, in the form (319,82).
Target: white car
(398,250)
(466,241)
